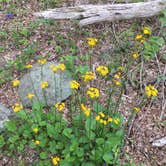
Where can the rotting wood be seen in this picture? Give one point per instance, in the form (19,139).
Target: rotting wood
(89,14)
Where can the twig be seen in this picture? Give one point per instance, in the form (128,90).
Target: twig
(163,96)
(141,71)
(158,64)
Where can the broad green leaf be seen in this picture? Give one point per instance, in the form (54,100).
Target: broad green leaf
(50,130)
(13,138)
(100,141)
(67,132)
(43,155)
(2,141)
(90,124)
(88,164)
(108,158)
(11,125)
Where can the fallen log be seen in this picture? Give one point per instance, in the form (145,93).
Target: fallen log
(89,14)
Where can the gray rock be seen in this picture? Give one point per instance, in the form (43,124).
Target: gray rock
(58,89)
(4,114)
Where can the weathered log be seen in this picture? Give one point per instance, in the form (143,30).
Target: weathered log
(89,14)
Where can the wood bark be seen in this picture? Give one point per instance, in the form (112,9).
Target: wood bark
(89,14)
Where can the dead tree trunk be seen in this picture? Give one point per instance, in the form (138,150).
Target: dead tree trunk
(89,14)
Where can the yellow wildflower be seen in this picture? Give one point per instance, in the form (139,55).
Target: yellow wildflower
(97,117)
(17,107)
(60,106)
(37,142)
(102,114)
(147,31)
(136,109)
(74,84)
(53,68)
(15,83)
(102,70)
(135,55)
(151,91)
(117,76)
(93,92)
(44,85)
(42,61)
(28,66)
(89,76)
(85,109)
(138,37)
(61,67)
(109,119)
(92,41)
(35,130)
(30,96)
(116,82)
(55,160)
(116,121)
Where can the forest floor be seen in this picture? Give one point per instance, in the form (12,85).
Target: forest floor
(23,35)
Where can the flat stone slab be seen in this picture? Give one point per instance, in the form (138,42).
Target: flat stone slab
(57,91)
(4,114)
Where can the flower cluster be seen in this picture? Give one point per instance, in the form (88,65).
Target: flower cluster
(146,32)
(93,92)
(15,83)
(55,160)
(88,76)
(58,67)
(42,61)
(116,79)
(74,84)
(60,106)
(102,70)
(135,55)
(85,109)
(150,90)
(92,41)
(37,142)
(35,130)
(44,85)
(17,107)
(30,96)
(103,119)
(28,66)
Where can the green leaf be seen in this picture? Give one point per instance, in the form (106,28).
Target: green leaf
(50,130)
(37,106)
(43,155)
(82,69)
(22,114)
(59,145)
(87,164)
(90,124)
(163,12)
(13,138)
(98,107)
(100,141)
(52,147)
(2,142)
(11,125)
(67,132)
(108,157)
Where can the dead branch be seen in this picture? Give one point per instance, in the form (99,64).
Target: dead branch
(89,14)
